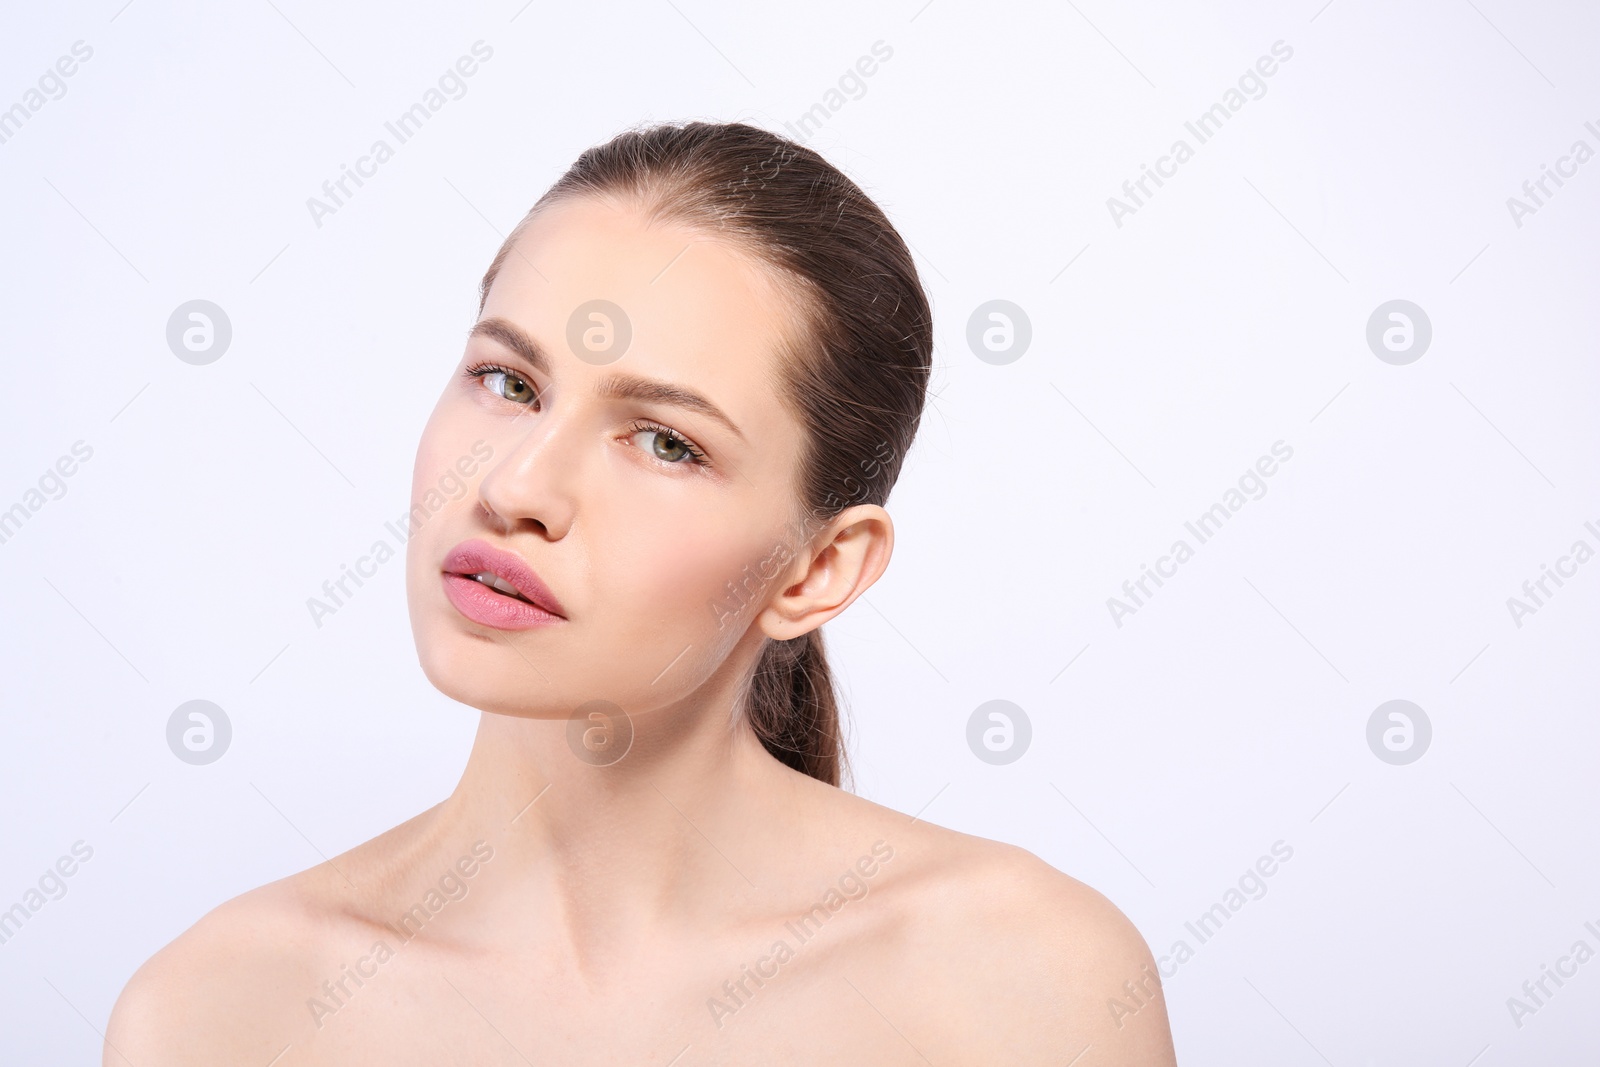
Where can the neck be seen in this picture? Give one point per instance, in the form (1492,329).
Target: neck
(694,819)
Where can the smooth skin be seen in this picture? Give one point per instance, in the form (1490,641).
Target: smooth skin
(568,912)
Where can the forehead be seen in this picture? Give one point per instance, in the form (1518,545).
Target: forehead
(700,311)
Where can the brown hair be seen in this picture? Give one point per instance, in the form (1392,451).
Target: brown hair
(856,375)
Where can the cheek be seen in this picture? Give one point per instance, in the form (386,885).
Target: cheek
(438,449)
(438,487)
(705,579)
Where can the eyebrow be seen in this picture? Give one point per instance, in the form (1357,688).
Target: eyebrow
(614,386)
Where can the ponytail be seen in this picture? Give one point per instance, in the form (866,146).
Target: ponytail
(794,710)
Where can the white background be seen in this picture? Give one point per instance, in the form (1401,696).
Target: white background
(1168,354)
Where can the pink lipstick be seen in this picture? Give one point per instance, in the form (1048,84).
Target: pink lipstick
(496,588)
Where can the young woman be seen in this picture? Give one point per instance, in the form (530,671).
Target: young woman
(698,365)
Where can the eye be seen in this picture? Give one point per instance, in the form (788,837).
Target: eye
(669,446)
(502,382)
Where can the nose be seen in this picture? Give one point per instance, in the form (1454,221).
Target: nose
(529,481)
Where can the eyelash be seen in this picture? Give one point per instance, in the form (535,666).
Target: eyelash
(696,457)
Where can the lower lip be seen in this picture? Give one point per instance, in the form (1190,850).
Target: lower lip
(483,605)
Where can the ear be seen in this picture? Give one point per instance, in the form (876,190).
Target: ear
(839,564)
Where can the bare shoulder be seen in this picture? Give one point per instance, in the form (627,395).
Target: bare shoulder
(234,986)
(1016,960)
(216,993)
(1038,966)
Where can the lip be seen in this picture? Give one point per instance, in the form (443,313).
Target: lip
(482,604)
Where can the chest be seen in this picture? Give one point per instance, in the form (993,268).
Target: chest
(788,1002)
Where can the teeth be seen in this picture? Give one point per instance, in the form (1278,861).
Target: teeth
(494,581)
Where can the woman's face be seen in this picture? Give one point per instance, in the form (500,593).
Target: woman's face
(587,468)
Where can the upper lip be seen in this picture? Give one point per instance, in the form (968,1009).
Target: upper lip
(477,556)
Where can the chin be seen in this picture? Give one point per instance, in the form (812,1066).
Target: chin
(481,671)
